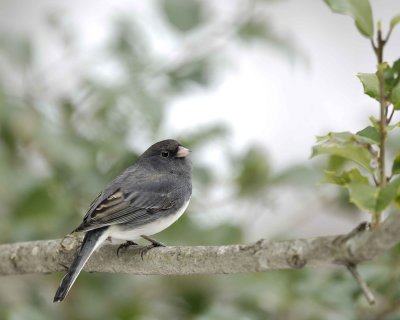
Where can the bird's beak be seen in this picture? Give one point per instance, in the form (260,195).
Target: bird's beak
(182,152)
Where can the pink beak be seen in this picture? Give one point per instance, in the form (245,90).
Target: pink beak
(182,152)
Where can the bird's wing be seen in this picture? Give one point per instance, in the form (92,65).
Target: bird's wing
(137,202)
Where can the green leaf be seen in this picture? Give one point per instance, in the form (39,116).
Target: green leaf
(370,83)
(395,20)
(394,81)
(370,135)
(365,136)
(346,145)
(345,178)
(396,165)
(391,75)
(360,10)
(353,147)
(363,196)
(335,136)
(387,195)
(354,153)
(184,15)
(335,163)
(373,199)
(395,97)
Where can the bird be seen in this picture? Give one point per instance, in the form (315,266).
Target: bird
(143,200)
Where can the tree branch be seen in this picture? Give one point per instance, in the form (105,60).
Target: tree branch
(360,245)
(360,281)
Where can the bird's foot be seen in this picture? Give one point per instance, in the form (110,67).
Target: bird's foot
(126,245)
(154,244)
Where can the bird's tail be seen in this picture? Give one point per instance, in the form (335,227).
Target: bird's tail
(91,241)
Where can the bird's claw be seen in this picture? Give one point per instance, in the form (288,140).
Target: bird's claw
(147,248)
(126,245)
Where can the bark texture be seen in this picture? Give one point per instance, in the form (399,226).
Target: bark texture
(56,255)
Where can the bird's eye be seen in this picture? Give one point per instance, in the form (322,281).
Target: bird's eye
(164,154)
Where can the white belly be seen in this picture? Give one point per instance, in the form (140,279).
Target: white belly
(149,229)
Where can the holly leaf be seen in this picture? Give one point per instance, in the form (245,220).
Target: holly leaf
(370,84)
(391,75)
(346,145)
(335,137)
(396,165)
(395,21)
(394,80)
(387,195)
(369,134)
(360,10)
(363,195)
(355,153)
(345,178)
(395,97)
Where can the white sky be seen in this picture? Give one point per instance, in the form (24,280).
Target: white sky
(284,106)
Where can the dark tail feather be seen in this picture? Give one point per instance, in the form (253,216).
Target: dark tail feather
(91,241)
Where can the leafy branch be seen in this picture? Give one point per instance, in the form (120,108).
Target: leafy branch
(369,187)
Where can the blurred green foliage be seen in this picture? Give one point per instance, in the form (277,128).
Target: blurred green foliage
(59,148)
(184,15)
(254,172)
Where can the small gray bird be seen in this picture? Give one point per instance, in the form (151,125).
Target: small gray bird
(145,199)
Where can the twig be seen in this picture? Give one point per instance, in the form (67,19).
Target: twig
(378,49)
(388,35)
(364,287)
(391,116)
